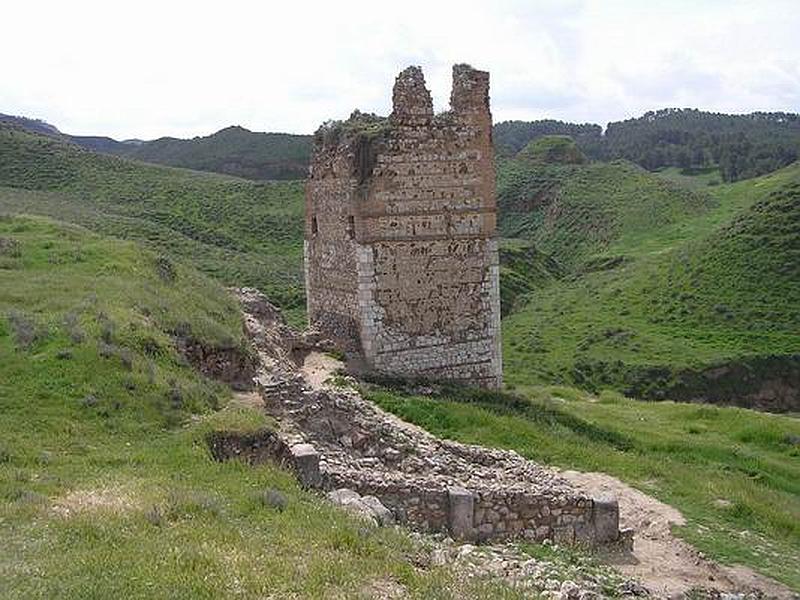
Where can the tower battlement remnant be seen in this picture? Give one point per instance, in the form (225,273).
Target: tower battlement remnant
(401,256)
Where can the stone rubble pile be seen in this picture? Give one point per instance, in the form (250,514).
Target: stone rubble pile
(551,579)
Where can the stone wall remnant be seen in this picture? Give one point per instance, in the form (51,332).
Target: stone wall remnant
(401,254)
(338,441)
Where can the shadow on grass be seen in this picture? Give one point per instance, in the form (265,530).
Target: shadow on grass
(503,403)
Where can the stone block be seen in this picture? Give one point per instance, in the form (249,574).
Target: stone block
(461,512)
(305,460)
(605,517)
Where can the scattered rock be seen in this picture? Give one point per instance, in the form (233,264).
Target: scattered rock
(366,507)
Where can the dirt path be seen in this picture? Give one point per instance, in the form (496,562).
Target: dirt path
(664,563)
(248,399)
(318,367)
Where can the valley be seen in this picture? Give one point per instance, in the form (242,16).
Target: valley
(616,283)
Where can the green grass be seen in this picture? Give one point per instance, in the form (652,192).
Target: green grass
(695,178)
(690,456)
(575,212)
(107,488)
(646,305)
(240,232)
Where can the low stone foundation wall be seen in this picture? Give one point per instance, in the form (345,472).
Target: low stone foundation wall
(335,438)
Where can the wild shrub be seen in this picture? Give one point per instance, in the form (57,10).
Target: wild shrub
(272,498)
(72,325)
(175,396)
(190,503)
(24,329)
(107,350)
(165,269)
(10,247)
(107,328)
(155,516)
(90,401)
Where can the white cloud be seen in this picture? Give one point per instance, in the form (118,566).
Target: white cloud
(147,68)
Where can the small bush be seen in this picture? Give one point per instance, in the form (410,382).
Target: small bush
(183,330)
(150,346)
(5,456)
(273,499)
(10,247)
(150,372)
(182,504)
(175,396)
(107,350)
(24,329)
(29,497)
(107,328)
(72,325)
(165,269)
(154,516)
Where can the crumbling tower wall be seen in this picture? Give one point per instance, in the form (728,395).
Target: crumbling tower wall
(408,274)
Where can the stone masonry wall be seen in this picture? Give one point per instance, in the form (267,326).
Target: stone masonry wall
(336,439)
(413,199)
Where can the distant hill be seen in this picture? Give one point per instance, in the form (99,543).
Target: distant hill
(35,125)
(740,146)
(512,136)
(231,151)
(737,146)
(552,149)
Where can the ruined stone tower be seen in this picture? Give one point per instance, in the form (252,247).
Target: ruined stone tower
(401,256)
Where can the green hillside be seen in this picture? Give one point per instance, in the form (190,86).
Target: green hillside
(577,213)
(232,151)
(241,232)
(664,284)
(107,488)
(552,149)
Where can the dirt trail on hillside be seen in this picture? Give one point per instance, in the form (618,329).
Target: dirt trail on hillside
(664,563)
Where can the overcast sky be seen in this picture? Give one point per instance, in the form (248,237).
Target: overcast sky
(150,68)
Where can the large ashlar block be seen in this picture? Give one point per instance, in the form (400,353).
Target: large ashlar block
(462,511)
(305,460)
(605,516)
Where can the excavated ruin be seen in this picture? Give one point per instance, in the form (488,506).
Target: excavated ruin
(335,439)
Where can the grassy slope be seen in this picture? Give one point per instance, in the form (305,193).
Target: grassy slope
(242,232)
(106,486)
(734,473)
(663,277)
(574,212)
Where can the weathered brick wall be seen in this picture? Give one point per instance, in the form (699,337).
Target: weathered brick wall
(416,194)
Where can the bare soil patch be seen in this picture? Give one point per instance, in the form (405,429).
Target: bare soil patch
(318,368)
(107,499)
